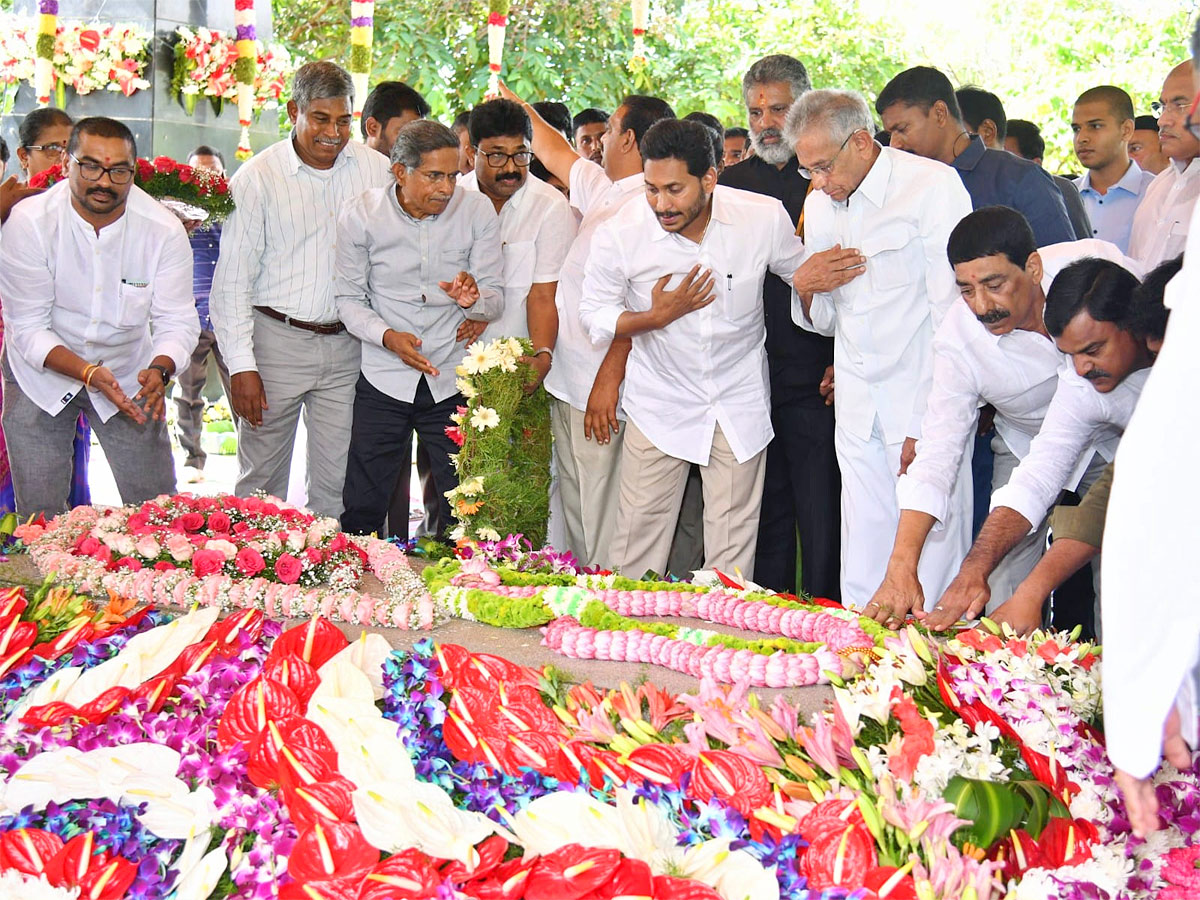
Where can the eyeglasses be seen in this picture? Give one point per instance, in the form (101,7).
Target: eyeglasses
(1180,107)
(499,160)
(91,171)
(46,148)
(825,168)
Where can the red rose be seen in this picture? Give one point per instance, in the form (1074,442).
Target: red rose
(287,568)
(165,164)
(252,505)
(128,562)
(207,562)
(145,170)
(249,561)
(185,174)
(192,521)
(314,556)
(219,523)
(137,521)
(88,546)
(270,509)
(164,566)
(222,187)
(339,542)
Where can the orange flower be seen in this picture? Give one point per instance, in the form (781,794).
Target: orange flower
(466,508)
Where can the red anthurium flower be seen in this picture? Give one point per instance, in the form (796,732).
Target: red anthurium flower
(48,715)
(531,750)
(320,801)
(296,674)
(1067,842)
(523,709)
(66,641)
(887,886)
(407,875)
(331,889)
(506,882)
(232,630)
(251,707)
(1018,852)
(829,815)
(451,662)
(109,881)
(266,750)
(667,887)
(491,854)
(77,857)
(105,705)
(728,582)
(331,850)
(28,850)
(473,704)
(315,642)
(17,636)
(632,878)
(12,603)
(195,656)
(731,778)
(570,872)
(839,858)
(485,671)
(157,691)
(658,763)
(300,765)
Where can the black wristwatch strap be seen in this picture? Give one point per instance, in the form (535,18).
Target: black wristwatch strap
(162,370)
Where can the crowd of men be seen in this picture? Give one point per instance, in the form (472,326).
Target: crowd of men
(884,352)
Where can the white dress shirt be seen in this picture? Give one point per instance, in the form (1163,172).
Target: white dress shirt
(277,246)
(1016,372)
(387,268)
(708,367)
(1079,421)
(1151,617)
(576,359)
(883,321)
(536,230)
(1160,225)
(119,298)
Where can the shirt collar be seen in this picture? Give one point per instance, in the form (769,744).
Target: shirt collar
(720,213)
(295,162)
(874,184)
(630,183)
(1186,170)
(970,157)
(394,198)
(1131,182)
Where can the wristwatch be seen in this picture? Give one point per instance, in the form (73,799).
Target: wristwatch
(162,370)
(540,350)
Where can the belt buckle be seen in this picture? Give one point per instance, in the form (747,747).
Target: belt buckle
(287,320)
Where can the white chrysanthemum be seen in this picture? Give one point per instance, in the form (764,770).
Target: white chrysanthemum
(458,532)
(493,355)
(477,359)
(471,486)
(487,534)
(32,887)
(465,388)
(484,418)
(515,347)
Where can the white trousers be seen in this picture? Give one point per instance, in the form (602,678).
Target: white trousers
(1020,560)
(588,483)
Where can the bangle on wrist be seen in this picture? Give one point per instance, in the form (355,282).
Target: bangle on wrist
(88,372)
(547,350)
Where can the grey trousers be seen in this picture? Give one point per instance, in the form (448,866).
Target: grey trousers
(189,405)
(41,453)
(313,373)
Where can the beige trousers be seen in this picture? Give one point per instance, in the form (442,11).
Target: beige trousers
(652,485)
(588,481)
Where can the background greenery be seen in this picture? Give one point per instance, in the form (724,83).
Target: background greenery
(1038,55)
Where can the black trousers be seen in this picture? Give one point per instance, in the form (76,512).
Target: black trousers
(801,495)
(380,447)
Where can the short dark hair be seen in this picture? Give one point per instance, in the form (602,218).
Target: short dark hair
(679,139)
(1120,104)
(390,99)
(38,120)
(641,112)
(104,127)
(920,86)
(1145,123)
(1150,314)
(205,150)
(3,150)
(976,104)
(589,116)
(713,124)
(991,231)
(556,115)
(1100,286)
(460,121)
(737,132)
(1028,137)
(499,118)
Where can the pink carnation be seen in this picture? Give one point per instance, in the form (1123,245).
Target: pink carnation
(287,568)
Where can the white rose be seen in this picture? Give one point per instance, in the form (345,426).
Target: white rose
(296,540)
(226,548)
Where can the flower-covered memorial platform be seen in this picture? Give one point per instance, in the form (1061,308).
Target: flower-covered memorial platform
(165,735)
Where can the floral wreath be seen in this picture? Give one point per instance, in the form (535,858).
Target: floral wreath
(206,65)
(165,179)
(256,553)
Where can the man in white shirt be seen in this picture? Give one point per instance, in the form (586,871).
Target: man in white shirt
(272,301)
(404,258)
(683,276)
(1160,225)
(882,305)
(585,382)
(1089,313)
(991,348)
(97,283)
(536,227)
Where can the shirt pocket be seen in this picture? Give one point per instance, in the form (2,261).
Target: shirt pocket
(135,301)
(519,260)
(892,256)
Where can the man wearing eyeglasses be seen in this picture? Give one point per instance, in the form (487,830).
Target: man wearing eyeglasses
(97,282)
(1160,225)
(536,227)
(412,259)
(876,278)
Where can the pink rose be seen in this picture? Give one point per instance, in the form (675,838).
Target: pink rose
(314,556)
(219,523)
(147,546)
(102,553)
(287,568)
(138,521)
(252,505)
(339,542)
(207,562)
(88,546)
(179,547)
(192,521)
(228,549)
(239,528)
(270,509)
(249,561)
(128,562)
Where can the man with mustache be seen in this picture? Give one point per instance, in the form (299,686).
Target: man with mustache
(404,264)
(97,283)
(589,125)
(1090,314)
(803,483)
(1160,225)
(272,302)
(682,275)
(993,347)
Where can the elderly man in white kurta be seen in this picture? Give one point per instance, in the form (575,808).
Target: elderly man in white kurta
(683,275)
(876,277)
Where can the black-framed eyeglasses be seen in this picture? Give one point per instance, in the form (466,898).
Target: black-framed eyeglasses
(91,171)
(499,160)
(47,148)
(825,168)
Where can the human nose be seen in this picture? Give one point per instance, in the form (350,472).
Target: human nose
(1083,365)
(898,142)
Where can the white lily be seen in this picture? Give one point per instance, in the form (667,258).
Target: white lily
(367,654)
(398,815)
(734,874)
(566,817)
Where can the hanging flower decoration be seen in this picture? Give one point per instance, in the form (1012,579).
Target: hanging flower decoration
(244,70)
(496,24)
(16,59)
(44,65)
(640,10)
(362,31)
(205,61)
(108,58)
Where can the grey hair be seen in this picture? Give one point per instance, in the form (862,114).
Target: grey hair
(839,113)
(321,80)
(775,68)
(418,138)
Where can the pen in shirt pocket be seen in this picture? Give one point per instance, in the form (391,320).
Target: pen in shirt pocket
(136,284)
(729,283)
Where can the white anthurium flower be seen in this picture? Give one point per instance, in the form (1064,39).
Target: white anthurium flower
(172,811)
(54,776)
(368,655)
(646,831)
(376,759)
(193,851)
(734,874)
(342,681)
(397,815)
(566,817)
(199,881)
(127,762)
(51,690)
(120,670)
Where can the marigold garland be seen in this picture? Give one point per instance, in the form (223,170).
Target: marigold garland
(362,35)
(244,70)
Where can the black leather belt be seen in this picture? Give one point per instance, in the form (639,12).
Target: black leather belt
(316,327)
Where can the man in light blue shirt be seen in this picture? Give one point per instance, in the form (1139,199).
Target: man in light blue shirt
(1113,185)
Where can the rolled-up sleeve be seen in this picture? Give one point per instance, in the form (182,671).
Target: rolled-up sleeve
(27,286)
(486,264)
(351,266)
(173,321)
(604,287)
(231,304)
